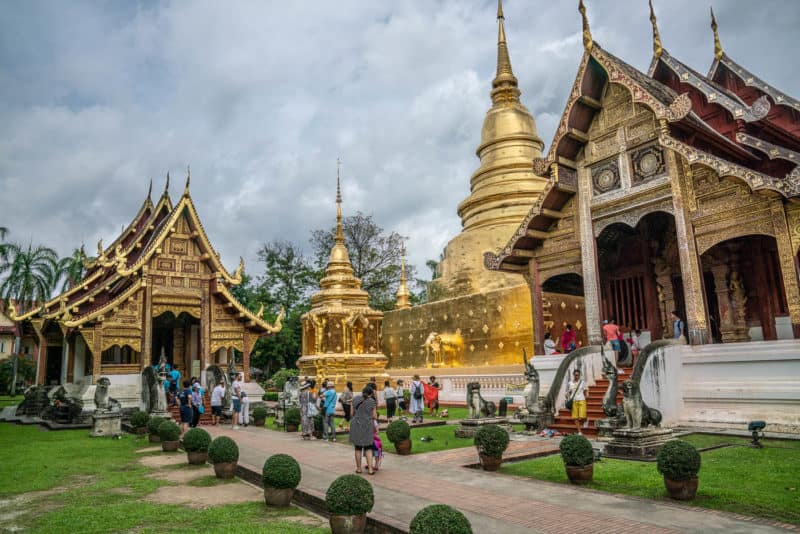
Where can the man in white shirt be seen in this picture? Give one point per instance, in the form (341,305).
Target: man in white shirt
(217,395)
(577,392)
(236,390)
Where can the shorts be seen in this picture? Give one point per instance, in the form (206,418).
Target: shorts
(615,345)
(237,406)
(579,409)
(186,414)
(216,410)
(360,448)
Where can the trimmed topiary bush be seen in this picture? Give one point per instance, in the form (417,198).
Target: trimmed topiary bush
(440,519)
(349,495)
(491,440)
(398,431)
(139,419)
(678,460)
(223,449)
(259,412)
(281,471)
(153,423)
(576,451)
(270,396)
(280,377)
(196,440)
(169,431)
(293,416)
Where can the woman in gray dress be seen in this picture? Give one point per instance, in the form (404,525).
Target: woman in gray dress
(362,429)
(307,409)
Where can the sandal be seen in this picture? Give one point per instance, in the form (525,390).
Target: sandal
(359,471)
(370,472)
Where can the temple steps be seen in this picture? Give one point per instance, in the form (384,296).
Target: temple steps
(594,408)
(205,418)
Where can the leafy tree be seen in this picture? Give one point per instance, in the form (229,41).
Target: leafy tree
(70,269)
(30,274)
(13,370)
(375,256)
(288,277)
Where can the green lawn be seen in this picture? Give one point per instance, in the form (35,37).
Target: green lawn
(443,438)
(759,482)
(6,400)
(454,413)
(99,488)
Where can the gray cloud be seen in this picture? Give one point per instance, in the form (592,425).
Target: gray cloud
(97,99)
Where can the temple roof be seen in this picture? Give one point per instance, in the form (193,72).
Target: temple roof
(751,80)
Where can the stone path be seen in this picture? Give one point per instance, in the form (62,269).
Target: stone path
(494,503)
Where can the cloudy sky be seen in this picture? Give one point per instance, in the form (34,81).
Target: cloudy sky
(97,98)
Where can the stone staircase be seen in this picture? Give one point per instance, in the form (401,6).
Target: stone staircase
(205,418)
(594,407)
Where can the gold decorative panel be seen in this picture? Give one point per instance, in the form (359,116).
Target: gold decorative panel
(178,246)
(165,264)
(189,266)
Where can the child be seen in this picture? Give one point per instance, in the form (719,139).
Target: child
(377,447)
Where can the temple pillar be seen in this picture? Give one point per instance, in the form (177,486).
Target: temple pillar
(696,318)
(720,272)
(147,320)
(97,355)
(591,271)
(786,258)
(533,280)
(666,295)
(204,332)
(64,361)
(247,345)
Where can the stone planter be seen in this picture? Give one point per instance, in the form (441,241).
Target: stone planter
(291,428)
(278,496)
(491,463)
(403,447)
(258,422)
(140,430)
(155,438)
(197,457)
(225,469)
(348,524)
(580,475)
(170,446)
(681,490)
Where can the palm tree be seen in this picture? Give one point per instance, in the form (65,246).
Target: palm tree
(30,274)
(71,269)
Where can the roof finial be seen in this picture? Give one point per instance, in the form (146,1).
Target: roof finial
(188,179)
(150,188)
(657,48)
(339,237)
(717,45)
(504,86)
(587,34)
(403,301)
(166,186)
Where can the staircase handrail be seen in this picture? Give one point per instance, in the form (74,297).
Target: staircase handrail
(644,356)
(563,367)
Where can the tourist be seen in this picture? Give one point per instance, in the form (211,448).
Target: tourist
(432,396)
(401,397)
(549,345)
(236,390)
(633,342)
(373,383)
(185,398)
(390,396)
(217,396)
(197,403)
(377,448)
(362,427)
(329,405)
(678,326)
(175,380)
(244,417)
(417,399)
(611,334)
(346,398)
(308,409)
(568,338)
(577,392)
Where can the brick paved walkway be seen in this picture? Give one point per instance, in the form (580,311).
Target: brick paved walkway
(494,503)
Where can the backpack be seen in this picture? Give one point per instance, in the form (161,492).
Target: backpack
(418,392)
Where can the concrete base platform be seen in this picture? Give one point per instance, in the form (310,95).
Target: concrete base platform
(468,427)
(640,444)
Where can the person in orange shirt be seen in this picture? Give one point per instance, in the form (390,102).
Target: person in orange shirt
(612,334)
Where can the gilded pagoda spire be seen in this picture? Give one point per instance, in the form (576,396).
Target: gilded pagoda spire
(587,34)
(657,47)
(505,87)
(339,272)
(403,294)
(717,45)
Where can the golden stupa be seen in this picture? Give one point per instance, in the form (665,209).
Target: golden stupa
(341,333)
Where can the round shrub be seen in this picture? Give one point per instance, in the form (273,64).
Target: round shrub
(576,451)
(223,449)
(270,396)
(398,431)
(349,495)
(440,519)
(139,419)
(292,416)
(196,440)
(259,412)
(152,424)
(678,460)
(281,471)
(168,430)
(491,440)
(280,377)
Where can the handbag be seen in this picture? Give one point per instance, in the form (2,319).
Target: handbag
(313,411)
(568,404)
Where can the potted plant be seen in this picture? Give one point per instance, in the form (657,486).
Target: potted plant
(152,428)
(679,462)
(348,500)
(440,519)
(491,442)
(578,457)
(139,420)
(399,433)
(170,434)
(259,415)
(292,418)
(195,443)
(281,475)
(224,454)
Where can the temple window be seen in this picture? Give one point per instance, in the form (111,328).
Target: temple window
(117,355)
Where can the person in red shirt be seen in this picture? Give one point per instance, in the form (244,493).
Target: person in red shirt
(568,339)
(612,334)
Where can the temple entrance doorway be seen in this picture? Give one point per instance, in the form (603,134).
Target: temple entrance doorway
(563,306)
(53,368)
(640,276)
(744,290)
(178,338)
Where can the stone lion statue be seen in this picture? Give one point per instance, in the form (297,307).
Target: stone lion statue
(477,405)
(102,401)
(637,413)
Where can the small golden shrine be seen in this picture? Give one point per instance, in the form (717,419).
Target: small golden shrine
(341,333)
